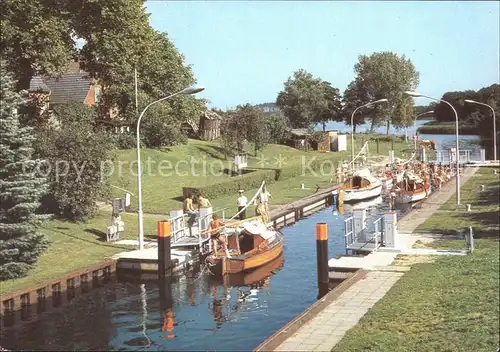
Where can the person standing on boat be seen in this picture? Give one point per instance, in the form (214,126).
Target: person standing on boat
(216,237)
(242,204)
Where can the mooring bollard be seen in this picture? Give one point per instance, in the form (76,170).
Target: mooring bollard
(301,186)
(322,258)
(482,188)
(164,258)
(467,207)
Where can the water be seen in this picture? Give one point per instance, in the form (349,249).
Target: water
(207,315)
(443,141)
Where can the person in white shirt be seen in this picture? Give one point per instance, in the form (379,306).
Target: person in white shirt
(242,203)
(264,199)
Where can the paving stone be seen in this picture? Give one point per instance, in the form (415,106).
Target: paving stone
(306,347)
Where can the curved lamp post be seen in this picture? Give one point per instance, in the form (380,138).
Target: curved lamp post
(352,122)
(416,95)
(494,126)
(190,90)
(415,120)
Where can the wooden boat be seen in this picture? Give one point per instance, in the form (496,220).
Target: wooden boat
(256,276)
(361,185)
(412,189)
(251,245)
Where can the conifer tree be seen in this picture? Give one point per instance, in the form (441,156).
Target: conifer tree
(21,188)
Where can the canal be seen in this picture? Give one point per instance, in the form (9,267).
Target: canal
(205,315)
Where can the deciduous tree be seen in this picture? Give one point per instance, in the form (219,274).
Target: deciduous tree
(306,100)
(36,38)
(79,157)
(387,75)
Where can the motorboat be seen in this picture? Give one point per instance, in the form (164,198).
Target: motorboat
(251,244)
(411,189)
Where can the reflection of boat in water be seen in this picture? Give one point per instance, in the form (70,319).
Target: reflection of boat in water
(371,203)
(257,276)
(247,285)
(361,185)
(251,244)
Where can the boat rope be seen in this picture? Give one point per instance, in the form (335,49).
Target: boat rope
(204,270)
(251,201)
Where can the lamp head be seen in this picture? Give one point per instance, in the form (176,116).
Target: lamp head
(469,101)
(193,89)
(430,112)
(413,94)
(380,101)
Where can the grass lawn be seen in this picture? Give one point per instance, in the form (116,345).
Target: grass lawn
(484,216)
(78,245)
(190,166)
(451,304)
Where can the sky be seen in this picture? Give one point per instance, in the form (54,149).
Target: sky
(243,51)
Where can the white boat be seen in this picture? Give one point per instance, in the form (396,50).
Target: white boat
(361,185)
(365,204)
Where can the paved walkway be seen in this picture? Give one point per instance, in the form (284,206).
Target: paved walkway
(327,328)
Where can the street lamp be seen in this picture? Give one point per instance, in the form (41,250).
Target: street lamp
(416,95)
(494,126)
(190,90)
(415,120)
(352,123)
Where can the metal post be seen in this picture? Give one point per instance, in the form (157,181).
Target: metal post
(322,258)
(164,257)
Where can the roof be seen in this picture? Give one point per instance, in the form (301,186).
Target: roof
(37,85)
(211,115)
(69,87)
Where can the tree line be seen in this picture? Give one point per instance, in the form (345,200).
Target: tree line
(471,114)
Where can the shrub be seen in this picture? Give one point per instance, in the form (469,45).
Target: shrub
(125,141)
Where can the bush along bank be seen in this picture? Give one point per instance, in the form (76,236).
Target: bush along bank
(254,178)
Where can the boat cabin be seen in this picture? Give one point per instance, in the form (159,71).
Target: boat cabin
(360,179)
(250,238)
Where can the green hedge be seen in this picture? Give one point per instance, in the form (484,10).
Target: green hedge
(248,181)
(252,180)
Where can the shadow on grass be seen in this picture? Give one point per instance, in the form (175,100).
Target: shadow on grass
(94,242)
(101,236)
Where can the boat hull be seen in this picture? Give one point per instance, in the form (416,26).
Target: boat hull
(244,263)
(356,195)
(410,198)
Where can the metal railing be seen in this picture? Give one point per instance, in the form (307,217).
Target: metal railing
(182,230)
(465,156)
(349,236)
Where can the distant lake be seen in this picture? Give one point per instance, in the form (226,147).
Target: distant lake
(343,127)
(443,141)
